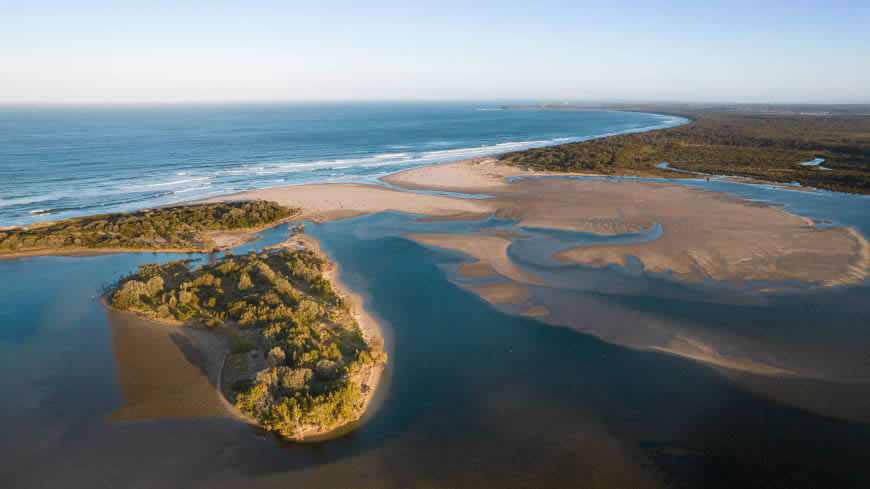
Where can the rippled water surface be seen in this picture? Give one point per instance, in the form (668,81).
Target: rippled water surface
(64,162)
(475,396)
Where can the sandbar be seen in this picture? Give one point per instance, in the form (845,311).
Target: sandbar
(706,235)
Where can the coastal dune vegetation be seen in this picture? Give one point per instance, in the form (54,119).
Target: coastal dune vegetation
(182,227)
(754,144)
(303,362)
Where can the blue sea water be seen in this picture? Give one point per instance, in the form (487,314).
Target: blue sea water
(59,162)
(474,397)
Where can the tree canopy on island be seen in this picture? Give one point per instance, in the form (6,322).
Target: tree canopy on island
(315,358)
(181,227)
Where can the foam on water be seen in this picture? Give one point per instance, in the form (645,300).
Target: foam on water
(74,163)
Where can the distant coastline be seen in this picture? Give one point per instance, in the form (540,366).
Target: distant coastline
(764,143)
(712,248)
(432,133)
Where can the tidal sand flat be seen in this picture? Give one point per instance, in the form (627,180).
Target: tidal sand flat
(707,235)
(478,398)
(167,372)
(692,235)
(325,202)
(723,362)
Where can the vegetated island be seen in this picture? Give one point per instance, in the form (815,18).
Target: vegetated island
(188,228)
(300,364)
(762,142)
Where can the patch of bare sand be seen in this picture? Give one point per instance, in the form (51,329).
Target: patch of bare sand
(714,235)
(503,293)
(474,175)
(477,175)
(477,269)
(705,234)
(485,248)
(230,239)
(168,371)
(536,311)
(325,202)
(505,233)
(688,348)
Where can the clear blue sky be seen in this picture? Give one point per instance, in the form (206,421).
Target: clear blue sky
(81,51)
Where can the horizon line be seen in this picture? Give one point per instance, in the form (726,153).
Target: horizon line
(592,103)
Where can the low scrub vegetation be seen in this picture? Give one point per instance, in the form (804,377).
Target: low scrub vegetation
(280,304)
(757,145)
(163,228)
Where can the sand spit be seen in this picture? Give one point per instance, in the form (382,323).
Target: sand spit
(477,269)
(689,348)
(502,293)
(479,175)
(326,202)
(705,235)
(487,249)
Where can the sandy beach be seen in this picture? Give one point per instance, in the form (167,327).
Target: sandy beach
(371,329)
(705,236)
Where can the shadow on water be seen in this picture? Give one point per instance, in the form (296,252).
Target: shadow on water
(191,353)
(477,398)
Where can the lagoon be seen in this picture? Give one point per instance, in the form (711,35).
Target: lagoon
(475,397)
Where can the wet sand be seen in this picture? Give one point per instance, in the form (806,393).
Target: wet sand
(326,202)
(145,349)
(705,236)
(491,250)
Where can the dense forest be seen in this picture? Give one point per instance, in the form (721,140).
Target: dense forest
(315,358)
(758,143)
(181,227)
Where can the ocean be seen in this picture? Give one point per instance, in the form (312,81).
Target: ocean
(60,162)
(474,396)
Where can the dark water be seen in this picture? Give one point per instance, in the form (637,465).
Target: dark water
(476,398)
(58,162)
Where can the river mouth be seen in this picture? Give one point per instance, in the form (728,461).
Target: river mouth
(479,395)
